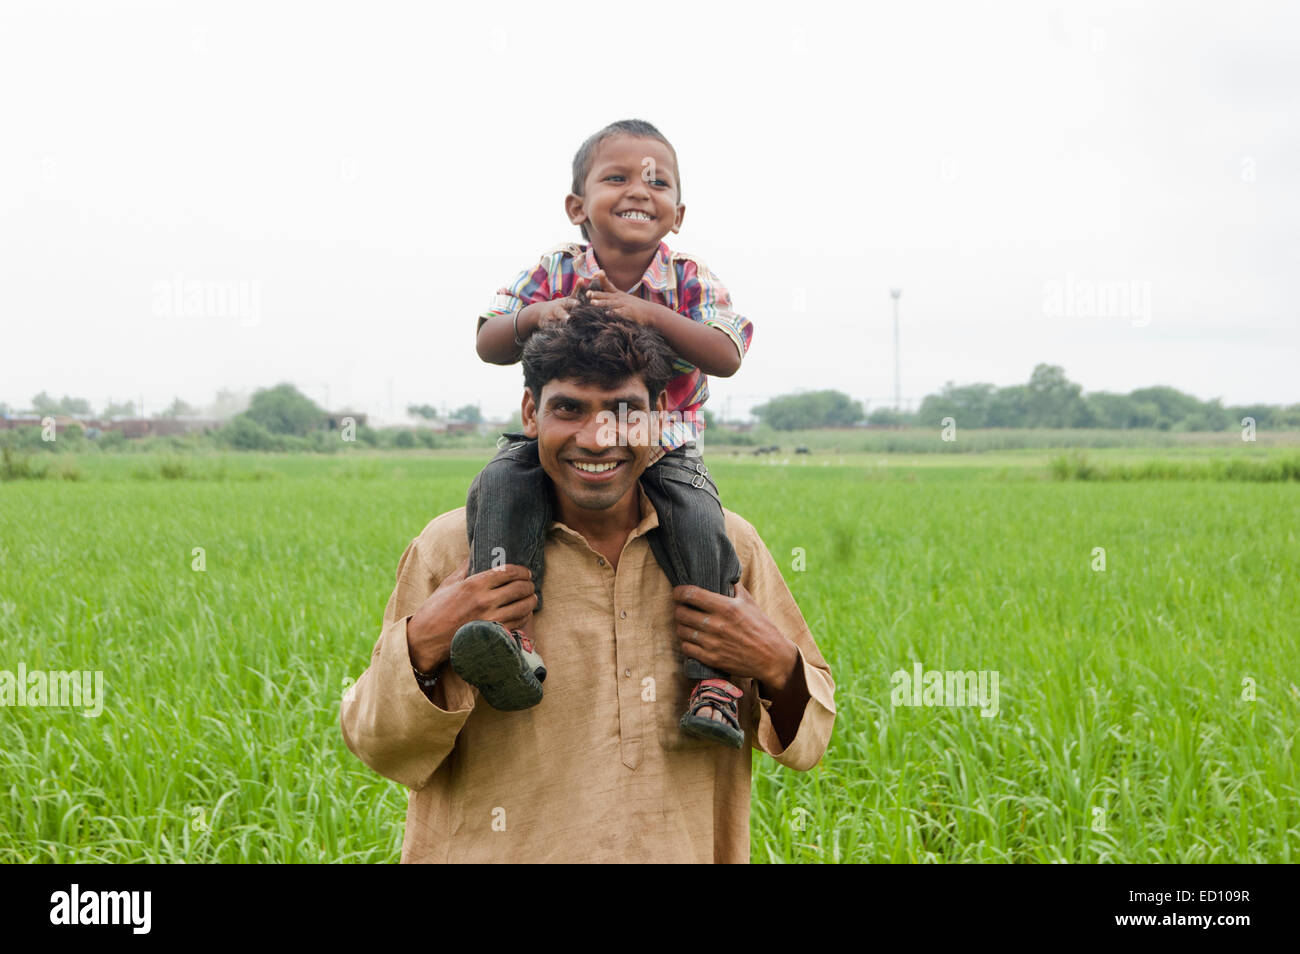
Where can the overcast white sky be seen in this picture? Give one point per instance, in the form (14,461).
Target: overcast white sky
(369,173)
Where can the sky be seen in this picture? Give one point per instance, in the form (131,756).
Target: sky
(231,195)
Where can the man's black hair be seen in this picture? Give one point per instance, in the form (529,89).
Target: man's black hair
(597,348)
(624,127)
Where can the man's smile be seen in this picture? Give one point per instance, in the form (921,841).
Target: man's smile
(596,470)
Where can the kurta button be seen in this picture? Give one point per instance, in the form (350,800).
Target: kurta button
(600,560)
(627,673)
(623,615)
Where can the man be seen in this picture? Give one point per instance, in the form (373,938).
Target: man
(597,771)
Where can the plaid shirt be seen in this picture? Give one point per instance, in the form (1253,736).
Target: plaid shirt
(674,280)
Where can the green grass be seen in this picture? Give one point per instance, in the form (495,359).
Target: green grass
(1121,690)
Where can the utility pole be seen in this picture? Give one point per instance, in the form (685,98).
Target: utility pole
(897,293)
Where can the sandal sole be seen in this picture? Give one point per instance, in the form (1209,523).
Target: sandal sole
(710,730)
(488,658)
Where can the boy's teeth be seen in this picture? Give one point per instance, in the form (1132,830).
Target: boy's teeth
(595,468)
(640,216)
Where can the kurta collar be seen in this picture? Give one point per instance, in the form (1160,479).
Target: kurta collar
(659,275)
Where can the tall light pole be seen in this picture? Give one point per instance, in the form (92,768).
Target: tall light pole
(897,293)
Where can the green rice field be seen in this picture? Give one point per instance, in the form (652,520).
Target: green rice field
(1145,631)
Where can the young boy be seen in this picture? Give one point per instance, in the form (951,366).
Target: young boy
(626,197)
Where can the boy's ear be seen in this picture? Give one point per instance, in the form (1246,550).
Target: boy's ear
(677,221)
(528,414)
(573,207)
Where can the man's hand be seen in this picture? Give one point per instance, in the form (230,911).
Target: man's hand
(504,594)
(603,292)
(732,634)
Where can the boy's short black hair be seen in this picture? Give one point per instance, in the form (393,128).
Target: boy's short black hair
(598,348)
(624,127)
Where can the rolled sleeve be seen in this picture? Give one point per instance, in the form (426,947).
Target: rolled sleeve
(763,579)
(530,285)
(387,721)
(709,303)
(814,734)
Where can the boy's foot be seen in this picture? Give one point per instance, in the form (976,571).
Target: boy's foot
(712,713)
(502,665)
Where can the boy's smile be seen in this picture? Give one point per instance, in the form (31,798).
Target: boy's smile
(630,201)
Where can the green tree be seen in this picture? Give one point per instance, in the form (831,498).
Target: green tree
(179,408)
(1054,400)
(970,405)
(470,413)
(1171,405)
(284,409)
(813,409)
(43,404)
(426,411)
(118,409)
(244,433)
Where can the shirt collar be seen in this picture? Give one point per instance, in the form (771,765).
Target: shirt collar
(649,520)
(659,275)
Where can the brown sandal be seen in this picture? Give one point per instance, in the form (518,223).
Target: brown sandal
(723,697)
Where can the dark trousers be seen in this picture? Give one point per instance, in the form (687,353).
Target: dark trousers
(511,505)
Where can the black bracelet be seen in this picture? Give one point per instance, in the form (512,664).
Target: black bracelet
(516,326)
(427,680)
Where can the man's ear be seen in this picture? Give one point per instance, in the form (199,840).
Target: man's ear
(661,404)
(573,208)
(528,414)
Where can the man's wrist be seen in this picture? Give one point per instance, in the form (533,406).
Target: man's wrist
(421,648)
(783,672)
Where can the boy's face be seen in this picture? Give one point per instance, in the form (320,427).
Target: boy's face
(571,422)
(630,201)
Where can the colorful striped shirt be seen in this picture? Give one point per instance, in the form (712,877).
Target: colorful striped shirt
(674,280)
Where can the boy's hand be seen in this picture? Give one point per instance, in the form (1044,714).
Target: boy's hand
(619,302)
(554,312)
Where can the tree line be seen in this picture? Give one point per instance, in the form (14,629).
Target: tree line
(1048,400)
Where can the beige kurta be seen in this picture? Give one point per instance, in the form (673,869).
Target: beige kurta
(598,771)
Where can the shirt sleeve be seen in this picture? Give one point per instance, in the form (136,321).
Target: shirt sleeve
(387,720)
(763,579)
(706,300)
(530,285)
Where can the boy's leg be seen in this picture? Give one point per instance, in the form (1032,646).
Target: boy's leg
(508,511)
(692,547)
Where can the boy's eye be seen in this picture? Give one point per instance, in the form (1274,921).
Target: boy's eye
(612,178)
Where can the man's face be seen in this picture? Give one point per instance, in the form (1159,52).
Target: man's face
(630,196)
(579,437)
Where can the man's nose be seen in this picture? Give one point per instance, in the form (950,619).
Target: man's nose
(593,428)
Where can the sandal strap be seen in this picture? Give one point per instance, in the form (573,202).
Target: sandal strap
(712,694)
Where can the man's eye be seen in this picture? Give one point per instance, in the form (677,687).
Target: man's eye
(611,178)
